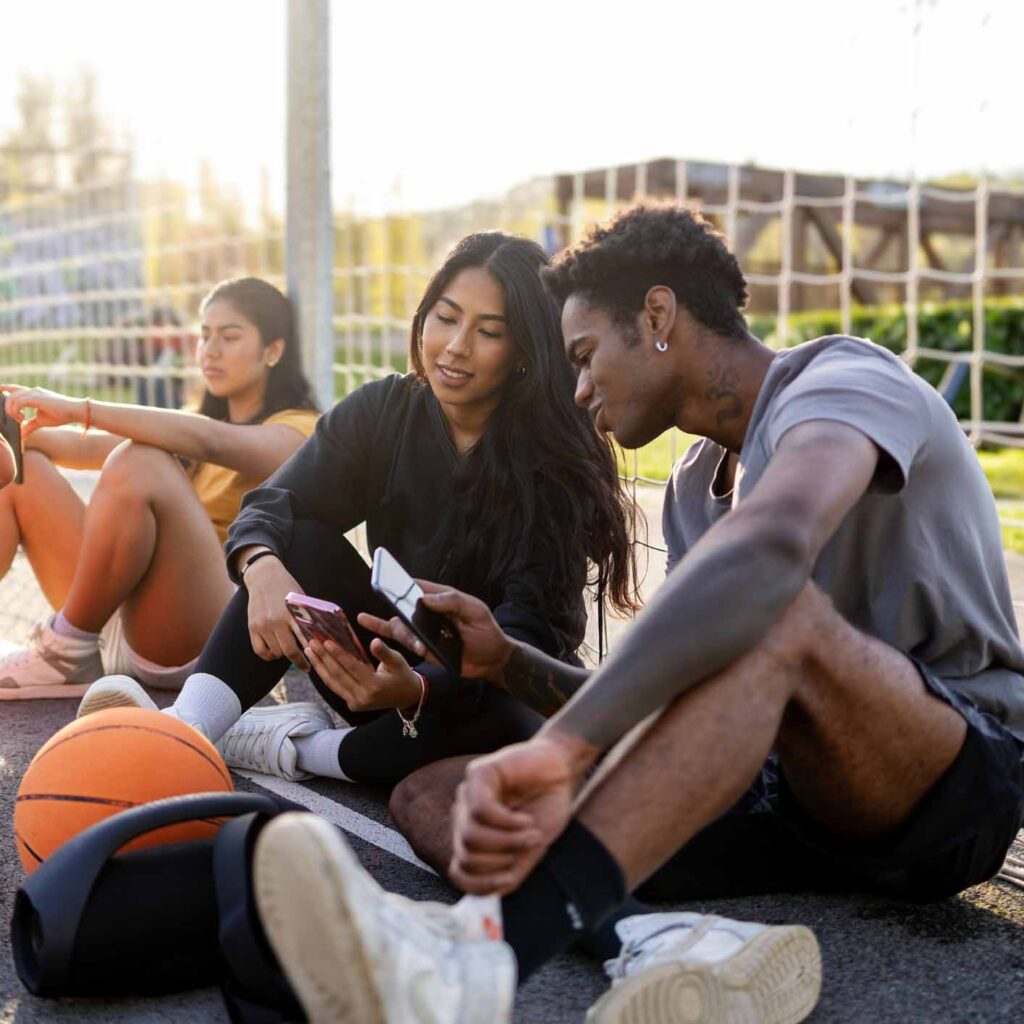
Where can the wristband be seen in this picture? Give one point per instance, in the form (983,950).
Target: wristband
(88,416)
(254,558)
(409,729)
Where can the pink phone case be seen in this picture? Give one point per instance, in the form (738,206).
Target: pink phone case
(324,620)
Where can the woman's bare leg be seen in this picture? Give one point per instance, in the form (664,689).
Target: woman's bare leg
(46,518)
(149,549)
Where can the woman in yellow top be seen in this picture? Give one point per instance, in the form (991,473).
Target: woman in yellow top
(142,563)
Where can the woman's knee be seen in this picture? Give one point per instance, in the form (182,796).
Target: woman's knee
(134,467)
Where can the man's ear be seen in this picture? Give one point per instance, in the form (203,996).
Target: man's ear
(659,313)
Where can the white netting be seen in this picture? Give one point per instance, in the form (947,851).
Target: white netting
(100,285)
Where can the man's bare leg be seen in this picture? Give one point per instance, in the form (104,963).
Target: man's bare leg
(860,739)
(421,806)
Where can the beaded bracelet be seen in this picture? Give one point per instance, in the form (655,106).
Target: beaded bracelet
(409,724)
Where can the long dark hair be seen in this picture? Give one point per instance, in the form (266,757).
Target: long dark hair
(271,312)
(540,488)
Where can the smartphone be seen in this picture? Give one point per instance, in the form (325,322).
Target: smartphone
(403,593)
(324,620)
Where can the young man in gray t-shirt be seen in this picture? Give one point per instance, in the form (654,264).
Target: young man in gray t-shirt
(828,686)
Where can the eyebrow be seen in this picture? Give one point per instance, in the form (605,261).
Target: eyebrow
(224,327)
(459,309)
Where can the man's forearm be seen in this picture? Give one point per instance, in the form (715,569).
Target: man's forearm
(540,681)
(716,606)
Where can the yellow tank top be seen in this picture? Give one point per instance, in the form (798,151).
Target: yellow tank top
(221,489)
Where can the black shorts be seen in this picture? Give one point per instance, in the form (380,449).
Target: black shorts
(957,837)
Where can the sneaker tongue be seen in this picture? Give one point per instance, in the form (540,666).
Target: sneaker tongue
(479,918)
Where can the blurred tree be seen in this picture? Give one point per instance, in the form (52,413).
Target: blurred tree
(29,151)
(87,134)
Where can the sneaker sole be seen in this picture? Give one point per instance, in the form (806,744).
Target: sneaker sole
(116,698)
(774,979)
(301,894)
(44,692)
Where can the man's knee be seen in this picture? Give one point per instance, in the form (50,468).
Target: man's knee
(422,798)
(410,804)
(801,636)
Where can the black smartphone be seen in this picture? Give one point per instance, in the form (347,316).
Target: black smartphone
(10,446)
(403,593)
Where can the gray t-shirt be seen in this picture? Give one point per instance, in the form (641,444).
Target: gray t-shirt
(918,562)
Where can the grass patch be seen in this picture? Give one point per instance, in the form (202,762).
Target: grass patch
(1003,467)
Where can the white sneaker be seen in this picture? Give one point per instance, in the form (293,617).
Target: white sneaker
(261,740)
(50,665)
(115,692)
(355,954)
(709,970)
(124,692)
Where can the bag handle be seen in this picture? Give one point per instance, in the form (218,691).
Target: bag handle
(49,904)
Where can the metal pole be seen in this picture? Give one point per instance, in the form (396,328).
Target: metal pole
(309,241)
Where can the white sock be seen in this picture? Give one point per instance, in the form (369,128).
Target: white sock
(318,754)
(480,917)
(62,627)
(207,702)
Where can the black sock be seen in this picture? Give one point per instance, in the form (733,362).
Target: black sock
(603,942)
(571,891)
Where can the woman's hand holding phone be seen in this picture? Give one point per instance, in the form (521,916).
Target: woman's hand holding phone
(485,648)
(272,630)
(393,684)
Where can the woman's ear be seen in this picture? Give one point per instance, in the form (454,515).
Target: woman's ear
(274,353)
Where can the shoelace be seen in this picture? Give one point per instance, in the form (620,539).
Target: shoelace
(247,745)
(634,949)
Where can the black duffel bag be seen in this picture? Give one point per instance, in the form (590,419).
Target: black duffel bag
(92,922)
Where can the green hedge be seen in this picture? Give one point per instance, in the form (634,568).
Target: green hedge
(946,326)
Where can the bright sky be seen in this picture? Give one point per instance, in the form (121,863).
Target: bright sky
(457,99)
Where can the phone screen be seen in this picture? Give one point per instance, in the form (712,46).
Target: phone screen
(393,583)
(403,593)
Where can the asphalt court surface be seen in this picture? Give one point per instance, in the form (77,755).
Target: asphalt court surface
(884,960)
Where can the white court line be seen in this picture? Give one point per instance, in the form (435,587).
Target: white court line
(344,817)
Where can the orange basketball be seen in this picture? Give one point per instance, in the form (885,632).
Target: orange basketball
(105,763)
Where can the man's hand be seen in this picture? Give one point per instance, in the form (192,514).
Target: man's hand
(485,648)
(392,685)
(511,807)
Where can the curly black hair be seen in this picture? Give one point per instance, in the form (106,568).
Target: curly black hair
(614,266)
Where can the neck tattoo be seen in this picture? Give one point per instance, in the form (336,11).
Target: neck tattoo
(723,391)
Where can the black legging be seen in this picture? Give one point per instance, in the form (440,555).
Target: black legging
(460,716)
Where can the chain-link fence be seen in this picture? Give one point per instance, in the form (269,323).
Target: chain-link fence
(100,285)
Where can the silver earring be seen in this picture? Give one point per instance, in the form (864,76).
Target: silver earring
(521,370)
(661,345)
